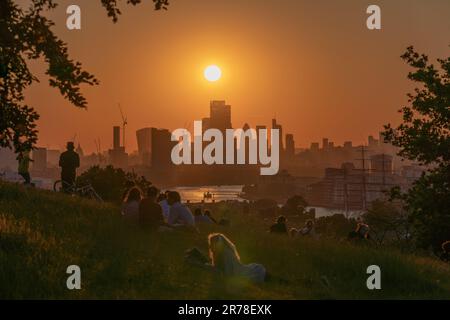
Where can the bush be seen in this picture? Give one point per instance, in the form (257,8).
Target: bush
(111,183)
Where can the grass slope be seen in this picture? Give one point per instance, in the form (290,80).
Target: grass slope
(41,233)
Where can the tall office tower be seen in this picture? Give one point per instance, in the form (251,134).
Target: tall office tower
(290,146)
(144,142)
(206,124)
(116,137)
(278,126)
(161,147)
(39,159)
(118,156)
(219,115)
(261,127)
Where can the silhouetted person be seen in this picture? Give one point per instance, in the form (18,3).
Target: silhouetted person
(69,161)
(130,205)
(24,166)
(208,214)
(308,229)
(279,226)
(150,212)
(179,214)
(361,231)
(200,217)
(162,200)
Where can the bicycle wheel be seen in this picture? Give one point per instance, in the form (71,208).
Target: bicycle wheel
(57,186)
(62,186)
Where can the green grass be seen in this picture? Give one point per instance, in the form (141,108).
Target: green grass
(41,233)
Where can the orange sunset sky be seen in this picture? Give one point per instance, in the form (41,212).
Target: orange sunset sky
(312,64)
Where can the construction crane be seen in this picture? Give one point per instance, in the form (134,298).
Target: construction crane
(124,123)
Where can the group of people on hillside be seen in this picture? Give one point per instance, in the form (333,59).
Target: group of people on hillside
(144,209)
(155,209)
(280,227)
(164,211)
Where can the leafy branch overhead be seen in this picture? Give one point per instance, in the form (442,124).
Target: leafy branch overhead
(424,134)
(25,35)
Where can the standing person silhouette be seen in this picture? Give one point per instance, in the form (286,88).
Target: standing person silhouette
(69,161)
(24,164)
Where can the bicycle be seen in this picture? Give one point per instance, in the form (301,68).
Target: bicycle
(85,191)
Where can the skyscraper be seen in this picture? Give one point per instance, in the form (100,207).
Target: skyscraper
(116,137)
(220,115)
(290,146)
(144,142)
(117,155)
(161,148)
(278,126)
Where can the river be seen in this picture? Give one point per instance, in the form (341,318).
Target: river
(223,193)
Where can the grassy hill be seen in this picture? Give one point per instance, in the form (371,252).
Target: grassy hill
(41,233)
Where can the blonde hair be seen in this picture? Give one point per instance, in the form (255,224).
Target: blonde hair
(223,253)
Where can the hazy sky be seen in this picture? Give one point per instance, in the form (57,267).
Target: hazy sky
(312,64)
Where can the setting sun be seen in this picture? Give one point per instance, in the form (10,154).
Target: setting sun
(212,73)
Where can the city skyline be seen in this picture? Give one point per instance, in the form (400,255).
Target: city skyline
(153,62)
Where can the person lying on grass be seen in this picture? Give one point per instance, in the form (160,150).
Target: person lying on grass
(225,260)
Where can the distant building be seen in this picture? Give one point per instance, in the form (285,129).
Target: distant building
(290,146)
(117,155)
(314,146)
(53,158)
(220,115)
(144,142)
(278,126)
(39,159)
(381,164)
(8,159)
(325,144)
(161,148)
(116,137)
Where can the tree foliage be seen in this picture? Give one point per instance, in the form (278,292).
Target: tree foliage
(25,35)
(424,136)
(111,183)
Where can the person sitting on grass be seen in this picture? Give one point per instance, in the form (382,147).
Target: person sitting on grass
(208,214)
(200,217)
(179,214)
(150,212)
(279,226)
(361,231)
(162,200)
(130,205)
(308,229)
(224,259)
